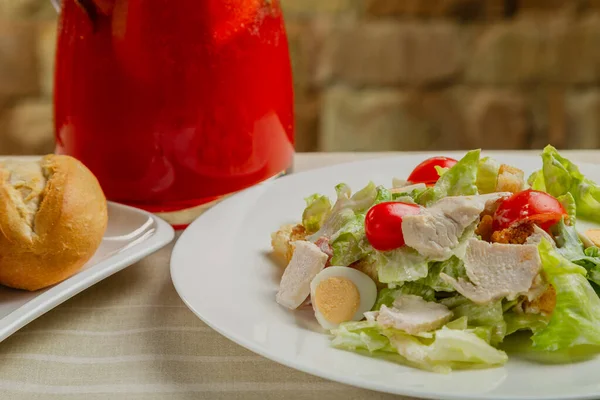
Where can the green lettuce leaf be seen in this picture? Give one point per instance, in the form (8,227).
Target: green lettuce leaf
(460,180)
(400,265)
(561,176)
(536,181)
(407,193)
(345,208)
(451,348)
(407,197)
(453,267)
(316,211)
(458,323)
(350,243)
(447,349)
(479,315)
(386,296)
(487,175)
(570,246)
(508,304)
(417,289)
(483,332)
(576,319)
(570,206)
(440,170)
(383,195)
(567,240)
(592,251)
(520,321)
(363,335)
(592,264)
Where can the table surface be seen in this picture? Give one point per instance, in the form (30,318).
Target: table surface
(131,337)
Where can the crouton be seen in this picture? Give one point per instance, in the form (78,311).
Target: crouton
(282,239)
(542,305)
(485,229)
(514,235)
(510,179)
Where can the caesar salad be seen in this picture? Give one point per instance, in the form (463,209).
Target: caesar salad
(436,270)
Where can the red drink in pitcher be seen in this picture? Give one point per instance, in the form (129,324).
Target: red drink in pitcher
(173,104)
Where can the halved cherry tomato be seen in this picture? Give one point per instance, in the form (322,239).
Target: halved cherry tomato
(383,224)
(529,205)
(426,172)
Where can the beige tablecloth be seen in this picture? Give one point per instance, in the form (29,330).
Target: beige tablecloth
(131,337)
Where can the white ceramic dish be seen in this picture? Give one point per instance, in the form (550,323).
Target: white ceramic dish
(131,235)
(222,269)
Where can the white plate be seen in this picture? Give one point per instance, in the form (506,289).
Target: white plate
(131,235)
(222,269)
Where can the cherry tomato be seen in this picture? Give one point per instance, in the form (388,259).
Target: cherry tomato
(383,224)
(529,205)
(426,173)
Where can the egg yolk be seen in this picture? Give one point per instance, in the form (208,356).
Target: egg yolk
(337,299)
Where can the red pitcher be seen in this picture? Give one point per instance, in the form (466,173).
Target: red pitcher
(174,104)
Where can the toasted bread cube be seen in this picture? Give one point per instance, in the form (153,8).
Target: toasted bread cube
(510,179)
(544,304)
(514,235)
(485,228)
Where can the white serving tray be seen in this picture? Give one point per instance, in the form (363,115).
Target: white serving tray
(131,235)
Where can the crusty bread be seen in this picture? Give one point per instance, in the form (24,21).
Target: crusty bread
(53,215)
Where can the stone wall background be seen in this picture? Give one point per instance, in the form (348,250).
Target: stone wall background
(382,74)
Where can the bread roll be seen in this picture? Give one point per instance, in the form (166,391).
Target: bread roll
(52,218)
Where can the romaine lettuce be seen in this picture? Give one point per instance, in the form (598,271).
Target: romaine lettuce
(591,262)
(536,181)
(316,211)
(561,176)
(345,208)
(479,315)
(386,296)
(570,246)
(451,348)
(575,320)
(453,267)
(363,335)
(487,175)
(417,289)
(520,321)
(383,195)
(350,244)
(568,202)
(400,265)
(447,349)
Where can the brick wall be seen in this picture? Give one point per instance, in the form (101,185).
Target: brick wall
(382,74)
